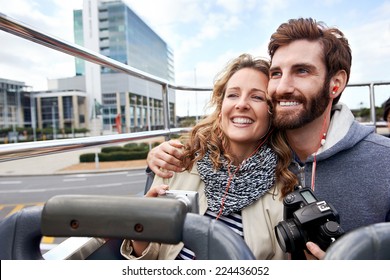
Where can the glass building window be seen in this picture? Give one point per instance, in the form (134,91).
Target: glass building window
(132,116)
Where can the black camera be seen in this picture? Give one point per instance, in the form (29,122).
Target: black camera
(307,219)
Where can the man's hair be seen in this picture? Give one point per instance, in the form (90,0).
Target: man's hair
(337,53)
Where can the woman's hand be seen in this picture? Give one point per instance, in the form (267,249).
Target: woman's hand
(140,246)
(157,190)
(165,159)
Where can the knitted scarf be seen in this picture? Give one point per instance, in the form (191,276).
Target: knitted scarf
(254,177)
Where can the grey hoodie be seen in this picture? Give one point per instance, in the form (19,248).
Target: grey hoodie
(353,171)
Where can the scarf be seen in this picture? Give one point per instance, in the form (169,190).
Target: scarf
(248,182)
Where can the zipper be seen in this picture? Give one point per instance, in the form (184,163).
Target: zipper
(301,174)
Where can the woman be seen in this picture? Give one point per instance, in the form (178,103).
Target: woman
(233,161)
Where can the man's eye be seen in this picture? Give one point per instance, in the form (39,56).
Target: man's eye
(275,74)
(303,70)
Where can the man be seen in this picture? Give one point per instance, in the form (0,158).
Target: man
(345,163)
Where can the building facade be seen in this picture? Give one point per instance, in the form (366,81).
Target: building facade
(60,109)
(125,37)
(121,103)
(21,108)
(15,108)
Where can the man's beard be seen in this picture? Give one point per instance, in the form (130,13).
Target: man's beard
(312,109)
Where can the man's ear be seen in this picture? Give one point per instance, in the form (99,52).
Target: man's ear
(338,83)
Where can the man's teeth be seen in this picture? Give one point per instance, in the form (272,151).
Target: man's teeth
(242,120)
(288,103)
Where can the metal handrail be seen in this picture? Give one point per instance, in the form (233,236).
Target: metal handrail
(23,150)
(372,98)
(22,30)
(17,151)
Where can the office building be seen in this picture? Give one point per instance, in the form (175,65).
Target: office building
(22,108)
(70,104)
(125,37)
(14,104)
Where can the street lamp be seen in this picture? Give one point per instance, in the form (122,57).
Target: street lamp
(15,134)
(54,120)
(32,114)
(196,98)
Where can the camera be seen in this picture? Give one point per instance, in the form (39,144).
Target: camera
(189,198)
(307,219)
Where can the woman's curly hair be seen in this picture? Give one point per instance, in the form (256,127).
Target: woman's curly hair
(208,136)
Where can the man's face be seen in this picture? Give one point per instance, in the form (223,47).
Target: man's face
(297,84)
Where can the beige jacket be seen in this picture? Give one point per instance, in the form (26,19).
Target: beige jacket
(258,219)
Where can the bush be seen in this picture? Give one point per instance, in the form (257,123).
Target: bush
(130,146)
(90,157)
(119,156)
(143,146)
(113,149)
(115,156)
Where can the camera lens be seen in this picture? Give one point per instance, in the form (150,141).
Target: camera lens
(289,236)
(281,236)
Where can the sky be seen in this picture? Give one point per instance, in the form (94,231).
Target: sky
(204,36)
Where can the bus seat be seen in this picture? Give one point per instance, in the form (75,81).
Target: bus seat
(20,235)
(116,218)
(366,243)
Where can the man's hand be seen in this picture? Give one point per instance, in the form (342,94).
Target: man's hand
(315,250)
(165,158)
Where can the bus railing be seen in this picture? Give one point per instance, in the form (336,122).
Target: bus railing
(29,149)
(15,151)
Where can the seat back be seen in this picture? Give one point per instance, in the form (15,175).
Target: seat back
(116,218)
(210,239)
(366,243)
(20,235)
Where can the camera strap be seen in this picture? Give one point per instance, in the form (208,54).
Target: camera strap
(321,143)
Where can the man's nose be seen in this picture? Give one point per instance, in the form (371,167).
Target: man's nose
(285,85)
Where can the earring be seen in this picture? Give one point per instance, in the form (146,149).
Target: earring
(335,89)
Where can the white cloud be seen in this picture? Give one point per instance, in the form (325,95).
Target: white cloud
(370,45)
(272,7)
(203,34)
(30,62)
(236,6)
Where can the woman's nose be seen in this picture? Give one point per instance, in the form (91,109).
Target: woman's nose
(242,103)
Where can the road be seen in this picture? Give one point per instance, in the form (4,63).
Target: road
(24,191)
(38,189)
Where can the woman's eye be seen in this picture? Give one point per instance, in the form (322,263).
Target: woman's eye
(259,98)
(231,95)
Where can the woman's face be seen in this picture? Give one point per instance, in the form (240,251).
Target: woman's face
(244,113)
